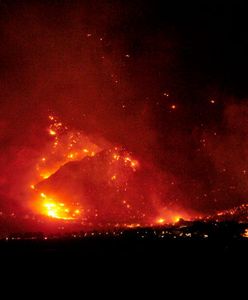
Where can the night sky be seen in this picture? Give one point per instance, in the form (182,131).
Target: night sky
(167,80)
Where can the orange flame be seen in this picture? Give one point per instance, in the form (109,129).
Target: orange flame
(66,146)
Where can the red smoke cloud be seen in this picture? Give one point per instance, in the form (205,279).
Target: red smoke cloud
(117,87)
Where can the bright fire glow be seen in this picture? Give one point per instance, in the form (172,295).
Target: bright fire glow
(116,164)
(176,219)
(171,217)
(45,175)
(56,209)
(52,132)
(160,221)
(66,146)
(245,234)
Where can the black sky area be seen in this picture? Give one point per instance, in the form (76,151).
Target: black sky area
(106,67)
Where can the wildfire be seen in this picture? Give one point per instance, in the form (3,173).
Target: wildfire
(135,225)
(176,219)
(56,209)
(128,161)
(170,217)
(65,146)
(173,220)
(45,175)
(113,169)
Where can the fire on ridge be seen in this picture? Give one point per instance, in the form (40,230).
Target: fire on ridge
(80,182)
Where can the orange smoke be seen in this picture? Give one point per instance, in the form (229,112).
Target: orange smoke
(64,146)
(100,184)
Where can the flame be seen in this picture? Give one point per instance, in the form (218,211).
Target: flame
(245,234)
(133,225)
(65,146)
(52,132)
(160,221)
(113,177)
(56,209)
(176,219)
(172,219)
(170,216)
(46,175)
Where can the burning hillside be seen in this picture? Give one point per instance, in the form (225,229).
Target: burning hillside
(110,187)
(104,187)
(82,183)
(237,214)
(121,112)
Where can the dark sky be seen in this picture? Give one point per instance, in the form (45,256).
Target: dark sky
(115,69)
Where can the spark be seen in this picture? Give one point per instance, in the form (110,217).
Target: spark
(116,156)
(133,164)
(52,132)
(127,159)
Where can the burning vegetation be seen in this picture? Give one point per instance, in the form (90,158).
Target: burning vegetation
(81,182)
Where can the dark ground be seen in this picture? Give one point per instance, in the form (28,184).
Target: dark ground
(209,243)
(129,263)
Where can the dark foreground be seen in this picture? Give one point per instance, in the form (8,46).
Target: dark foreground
(127,248)
(184,244)
(183,258)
